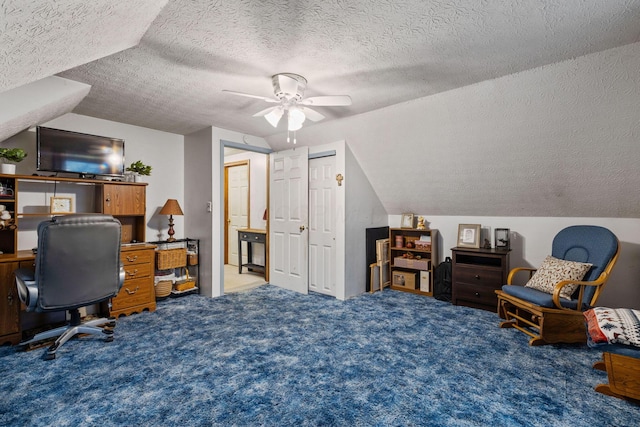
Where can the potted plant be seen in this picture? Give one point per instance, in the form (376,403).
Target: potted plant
(139,169)
(11,156)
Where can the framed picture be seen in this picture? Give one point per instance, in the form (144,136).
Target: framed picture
(469,235)
(407,221)
(61,205)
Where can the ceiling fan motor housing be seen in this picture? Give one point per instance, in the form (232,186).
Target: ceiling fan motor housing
(284,93)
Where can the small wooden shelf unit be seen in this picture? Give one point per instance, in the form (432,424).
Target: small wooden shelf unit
(414,274)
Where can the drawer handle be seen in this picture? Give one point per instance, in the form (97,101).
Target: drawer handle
(133,291)
(132,259)
(477,294)
(256,237)
(477,276)
(134,272)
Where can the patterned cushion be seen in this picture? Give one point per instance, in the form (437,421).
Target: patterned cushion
(554,270)
(612,326)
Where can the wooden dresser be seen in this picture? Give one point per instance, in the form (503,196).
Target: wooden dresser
(477,273)
(137,293)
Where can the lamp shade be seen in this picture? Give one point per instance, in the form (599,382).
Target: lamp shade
(171,207)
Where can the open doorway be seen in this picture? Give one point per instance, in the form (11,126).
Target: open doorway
(245,204)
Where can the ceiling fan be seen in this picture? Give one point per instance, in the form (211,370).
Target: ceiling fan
(288,89)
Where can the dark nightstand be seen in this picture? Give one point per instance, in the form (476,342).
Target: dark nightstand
(477,273)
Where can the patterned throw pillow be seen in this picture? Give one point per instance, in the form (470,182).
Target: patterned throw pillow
(554,270)
(612,326)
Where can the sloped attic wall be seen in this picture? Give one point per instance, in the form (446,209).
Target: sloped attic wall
(556,141)
(363,209)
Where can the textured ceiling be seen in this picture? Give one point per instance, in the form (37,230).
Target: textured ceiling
(164,65)
(380,52)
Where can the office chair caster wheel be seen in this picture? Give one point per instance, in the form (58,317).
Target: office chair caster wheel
(49,356)
(109,334)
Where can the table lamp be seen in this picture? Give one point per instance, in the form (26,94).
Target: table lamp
(171,208)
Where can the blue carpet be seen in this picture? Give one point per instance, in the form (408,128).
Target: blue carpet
(277,358)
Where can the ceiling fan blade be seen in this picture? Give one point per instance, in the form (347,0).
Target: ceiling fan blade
(264,112)
(287,84)
(328,101)
(264,98)
(311,114)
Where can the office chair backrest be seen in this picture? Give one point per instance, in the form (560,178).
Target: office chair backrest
(78,261)
(586,243)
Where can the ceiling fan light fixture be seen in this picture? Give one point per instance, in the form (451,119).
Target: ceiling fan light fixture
(296,118)
(274,116)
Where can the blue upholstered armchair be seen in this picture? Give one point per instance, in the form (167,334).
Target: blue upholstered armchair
(549,307)
(77,265)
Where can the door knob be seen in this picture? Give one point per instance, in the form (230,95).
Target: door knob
(302,227)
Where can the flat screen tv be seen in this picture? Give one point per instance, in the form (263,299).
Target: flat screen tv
(72,152)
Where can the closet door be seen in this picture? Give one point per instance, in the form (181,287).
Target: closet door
(288,222)
(322,225)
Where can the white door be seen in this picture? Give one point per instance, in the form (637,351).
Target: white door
(288,221)
(238,200)
(322,225)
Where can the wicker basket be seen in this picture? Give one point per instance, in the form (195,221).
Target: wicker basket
(192,258)
(186,284)
(166,259)
(163,288)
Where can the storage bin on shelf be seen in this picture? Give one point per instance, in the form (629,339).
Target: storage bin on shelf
(167,259)
(418,264)
(163,283)
(185,284)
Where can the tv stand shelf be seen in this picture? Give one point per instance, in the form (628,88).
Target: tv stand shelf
(70,179)
(31,197)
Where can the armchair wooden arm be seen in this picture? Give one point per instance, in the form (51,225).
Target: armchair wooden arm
(517,270)
(598,282)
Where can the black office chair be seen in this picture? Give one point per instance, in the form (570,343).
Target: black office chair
(77,265)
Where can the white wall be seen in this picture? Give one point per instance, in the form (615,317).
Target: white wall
(363,210)
(531,239)
(198,191)
(205,152)
(162,150)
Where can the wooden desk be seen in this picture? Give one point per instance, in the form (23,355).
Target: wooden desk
(251,236)
(10,318)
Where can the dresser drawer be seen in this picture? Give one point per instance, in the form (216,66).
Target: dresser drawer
(478,276)
(137,271)
(136,257)
(134,292)
(476,295)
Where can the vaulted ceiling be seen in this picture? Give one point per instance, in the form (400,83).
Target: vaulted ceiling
(163,64)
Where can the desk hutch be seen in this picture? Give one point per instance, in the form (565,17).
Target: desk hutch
(126,201)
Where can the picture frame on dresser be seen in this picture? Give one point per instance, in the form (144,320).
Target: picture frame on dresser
(407,220)
(469,236)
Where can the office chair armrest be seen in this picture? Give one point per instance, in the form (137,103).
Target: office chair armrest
(121,277)
(27,287)
(516,270)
